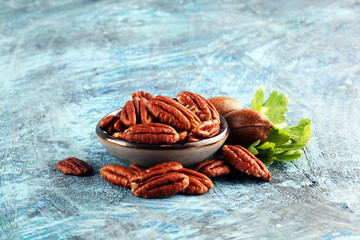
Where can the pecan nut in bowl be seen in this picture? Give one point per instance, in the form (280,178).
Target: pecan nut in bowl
(213,168)
(142,94)
(244,161)
(74,166)
(128,114)
(151,133)
(107,123)
(199,105)
(206,129)
(188,150)
(170,111)
(116,174)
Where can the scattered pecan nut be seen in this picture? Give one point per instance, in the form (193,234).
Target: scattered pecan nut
(213,168)
(74,166)
(170,111)
(198,182)
(202,108)
(151,133)
(116,174)
(135,169)
(244,161)
(162,180)
(157,170)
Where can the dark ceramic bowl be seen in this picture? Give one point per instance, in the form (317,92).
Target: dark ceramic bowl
(148,154)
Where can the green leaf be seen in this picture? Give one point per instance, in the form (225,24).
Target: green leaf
(252,147)
(258,99)
(278,136)
(277,107)
(274,107)
(303,128)
(289,155)
(266,152)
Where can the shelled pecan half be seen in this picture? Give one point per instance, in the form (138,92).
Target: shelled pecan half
(213,168)
(159,181)
(128,114)
(199,105)
(116,174)
(151,133)
(135,169)
(144,114)
(244,161)
(107,123)
(198,182)
(119,135)
(206,129)
(183,136)
(170,111)
(142,94)
(74,166)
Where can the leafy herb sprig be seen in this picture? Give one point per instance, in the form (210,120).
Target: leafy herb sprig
(284,143)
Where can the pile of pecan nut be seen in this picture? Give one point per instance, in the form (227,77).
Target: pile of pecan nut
(169,178)
(164,120)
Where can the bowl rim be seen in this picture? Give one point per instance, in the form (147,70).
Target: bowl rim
(104,136)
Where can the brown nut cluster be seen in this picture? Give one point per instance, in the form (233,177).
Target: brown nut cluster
(246,125)
(159,181)
(187,118)
(164,120)
(170,178)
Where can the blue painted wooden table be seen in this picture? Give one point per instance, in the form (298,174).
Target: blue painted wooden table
(65,64)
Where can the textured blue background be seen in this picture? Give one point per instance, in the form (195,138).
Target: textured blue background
(75,61)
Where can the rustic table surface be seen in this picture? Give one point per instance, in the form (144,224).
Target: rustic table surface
(65,64)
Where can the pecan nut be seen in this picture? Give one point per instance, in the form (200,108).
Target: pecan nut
(158,169)
(128,114)
(142,94)
(119,135)
(116,174)
(144,114)
(206,129)
(198,182)
(193,138)
(74,166)
(107,123)
(170,111)
(244,161)
(183,135)
(160,186)
(162,180)
(213,168)
(135,169)
(119,126)
(151,133)
(204,109)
